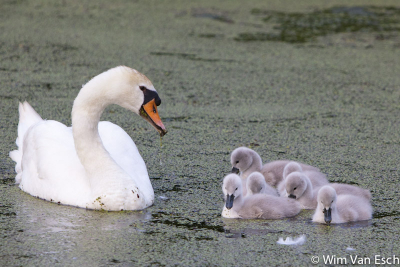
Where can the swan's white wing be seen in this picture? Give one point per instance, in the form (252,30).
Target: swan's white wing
(125,153)
(50,166)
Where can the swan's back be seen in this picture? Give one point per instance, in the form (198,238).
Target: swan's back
(51,168)
(353,208)
(342,189)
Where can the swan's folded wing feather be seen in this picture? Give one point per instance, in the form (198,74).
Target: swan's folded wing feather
(125,153)
(50,166)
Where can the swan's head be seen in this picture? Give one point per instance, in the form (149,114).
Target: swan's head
(232,188)
(241,159)
(255,183)
(290,167)
(127,88)
(327,200)
(296,184)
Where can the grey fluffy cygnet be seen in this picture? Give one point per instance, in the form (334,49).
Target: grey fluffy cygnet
(316,177)
(334,208)
(298,186)
(258,206)
(256,184)
(246,161)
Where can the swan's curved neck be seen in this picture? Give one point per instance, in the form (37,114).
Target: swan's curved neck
(88,144)
(88,106)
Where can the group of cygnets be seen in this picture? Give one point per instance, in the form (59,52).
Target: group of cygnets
(282,188)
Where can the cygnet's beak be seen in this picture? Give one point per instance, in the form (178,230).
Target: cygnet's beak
(149,112)
(229,201)
(235,170)
(327,215)
(292,196)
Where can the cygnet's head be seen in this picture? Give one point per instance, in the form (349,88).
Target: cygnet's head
(241,159)
(296,184)
(255,183)
(327,200)
(232,188)
(290,167)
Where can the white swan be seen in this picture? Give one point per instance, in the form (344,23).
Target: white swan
(245,161)
(258,206)
(333,208)
(91,165)
(316,177)
(256,184)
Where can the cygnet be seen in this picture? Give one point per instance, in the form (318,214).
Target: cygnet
(316,177)
(258,206)
(334,208)
(298,186)
(256,184)
(246,161)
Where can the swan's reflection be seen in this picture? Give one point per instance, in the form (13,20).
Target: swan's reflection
(42,217)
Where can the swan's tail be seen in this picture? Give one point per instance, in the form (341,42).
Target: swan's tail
(27,117)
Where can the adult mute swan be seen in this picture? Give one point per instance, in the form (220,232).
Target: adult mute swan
(92,164)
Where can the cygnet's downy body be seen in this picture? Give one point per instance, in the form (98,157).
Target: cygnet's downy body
(342,189)
(258,206)
(256,184)
(317,178)
(334,208)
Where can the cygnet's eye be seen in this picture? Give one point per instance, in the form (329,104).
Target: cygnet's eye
(332,202)
(236,188)
(237,162)
(295,188)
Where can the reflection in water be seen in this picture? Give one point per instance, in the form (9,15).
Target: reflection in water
(42,217)
(238,228)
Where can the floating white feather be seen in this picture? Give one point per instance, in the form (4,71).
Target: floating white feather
(290,241)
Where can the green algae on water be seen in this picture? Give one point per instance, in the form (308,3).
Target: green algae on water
(303,27)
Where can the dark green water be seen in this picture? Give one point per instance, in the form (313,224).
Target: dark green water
(331,100)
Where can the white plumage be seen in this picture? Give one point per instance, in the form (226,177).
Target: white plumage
(90,165)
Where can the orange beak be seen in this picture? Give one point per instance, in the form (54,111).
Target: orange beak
(149,112)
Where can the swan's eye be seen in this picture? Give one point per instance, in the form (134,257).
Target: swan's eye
(154,110)
(236,188)
(237,162)
(295,188)
(142,88)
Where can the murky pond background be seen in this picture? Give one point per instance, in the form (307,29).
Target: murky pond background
(316,81)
